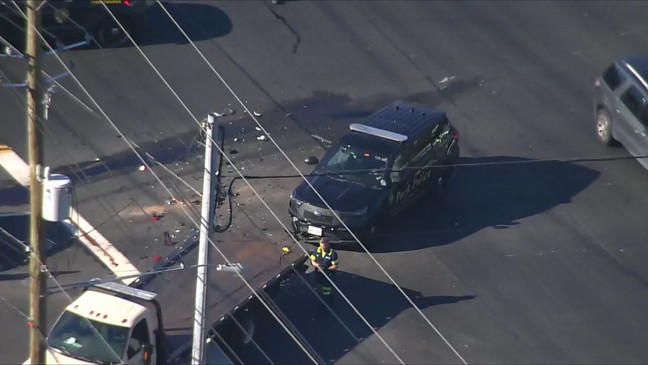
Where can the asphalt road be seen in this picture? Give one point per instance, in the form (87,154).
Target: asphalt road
(531,258)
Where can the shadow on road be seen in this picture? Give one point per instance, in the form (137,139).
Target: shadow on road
(314,324)
(167,151)
(14,238)
(199,21)
(485,192)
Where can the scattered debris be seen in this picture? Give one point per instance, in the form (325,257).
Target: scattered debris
(168,239)
(97,159)
(286,249)
(156,258)
(258,129)
(171,202)
(227,111)
(446,79)
(242,130)
(321,139)
(262,138)
(156,217)
(233,152)
(256,114)
(195,202)
(142,168)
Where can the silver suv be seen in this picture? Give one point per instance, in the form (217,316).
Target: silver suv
(621,106)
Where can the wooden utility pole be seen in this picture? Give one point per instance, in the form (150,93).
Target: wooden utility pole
(36,114)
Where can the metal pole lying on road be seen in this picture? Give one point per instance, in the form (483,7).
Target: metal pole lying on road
(38,256)
(206,221)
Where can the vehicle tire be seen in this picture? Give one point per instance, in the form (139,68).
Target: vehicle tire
(604,127)
(372,230)
(109,35)
(440,188)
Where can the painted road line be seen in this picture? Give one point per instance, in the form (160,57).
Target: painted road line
(94,241)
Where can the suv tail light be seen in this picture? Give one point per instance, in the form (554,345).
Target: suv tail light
(455,136)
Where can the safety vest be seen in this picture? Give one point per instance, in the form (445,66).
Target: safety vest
(326,259)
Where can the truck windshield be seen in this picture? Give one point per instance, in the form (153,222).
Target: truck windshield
(355,164)
(88,340)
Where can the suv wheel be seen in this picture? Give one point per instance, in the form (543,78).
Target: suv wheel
(604,127)
(371,232)
(441,185)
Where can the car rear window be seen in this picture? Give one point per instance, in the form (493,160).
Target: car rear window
(636,103)
(612,77)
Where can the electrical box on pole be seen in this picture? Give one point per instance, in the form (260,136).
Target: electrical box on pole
(57,197)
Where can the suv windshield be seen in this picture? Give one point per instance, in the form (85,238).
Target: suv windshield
(355,164)
(88,340)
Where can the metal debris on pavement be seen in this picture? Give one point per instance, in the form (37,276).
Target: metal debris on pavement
(321,139)
(262,138)
(256,114)
(258,129)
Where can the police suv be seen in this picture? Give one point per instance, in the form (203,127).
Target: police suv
(374,172)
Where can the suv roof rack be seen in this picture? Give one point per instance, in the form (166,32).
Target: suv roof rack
(357,127)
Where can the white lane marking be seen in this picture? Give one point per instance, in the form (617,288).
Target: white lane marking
(94,241)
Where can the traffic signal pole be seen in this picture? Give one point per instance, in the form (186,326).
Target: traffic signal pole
(38,257)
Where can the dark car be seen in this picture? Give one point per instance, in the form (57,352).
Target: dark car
(374,172)
(70,21)
(621,107)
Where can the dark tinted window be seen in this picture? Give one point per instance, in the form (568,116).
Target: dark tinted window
(612,77)
(636,103)
(139,338)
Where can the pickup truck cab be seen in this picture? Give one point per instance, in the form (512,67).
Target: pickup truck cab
(109,324)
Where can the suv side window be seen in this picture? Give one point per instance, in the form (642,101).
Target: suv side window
(139,337)
(636,103)
(612,77)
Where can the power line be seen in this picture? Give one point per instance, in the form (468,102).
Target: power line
(158,179)
(237,170)
(58,284)
(320,196)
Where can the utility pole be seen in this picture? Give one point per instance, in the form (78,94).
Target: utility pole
(206,221)
(38,257)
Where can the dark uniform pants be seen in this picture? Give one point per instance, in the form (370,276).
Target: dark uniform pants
(325,286)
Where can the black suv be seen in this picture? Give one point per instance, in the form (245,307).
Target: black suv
(621,106)
(71,19)
(374,172)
